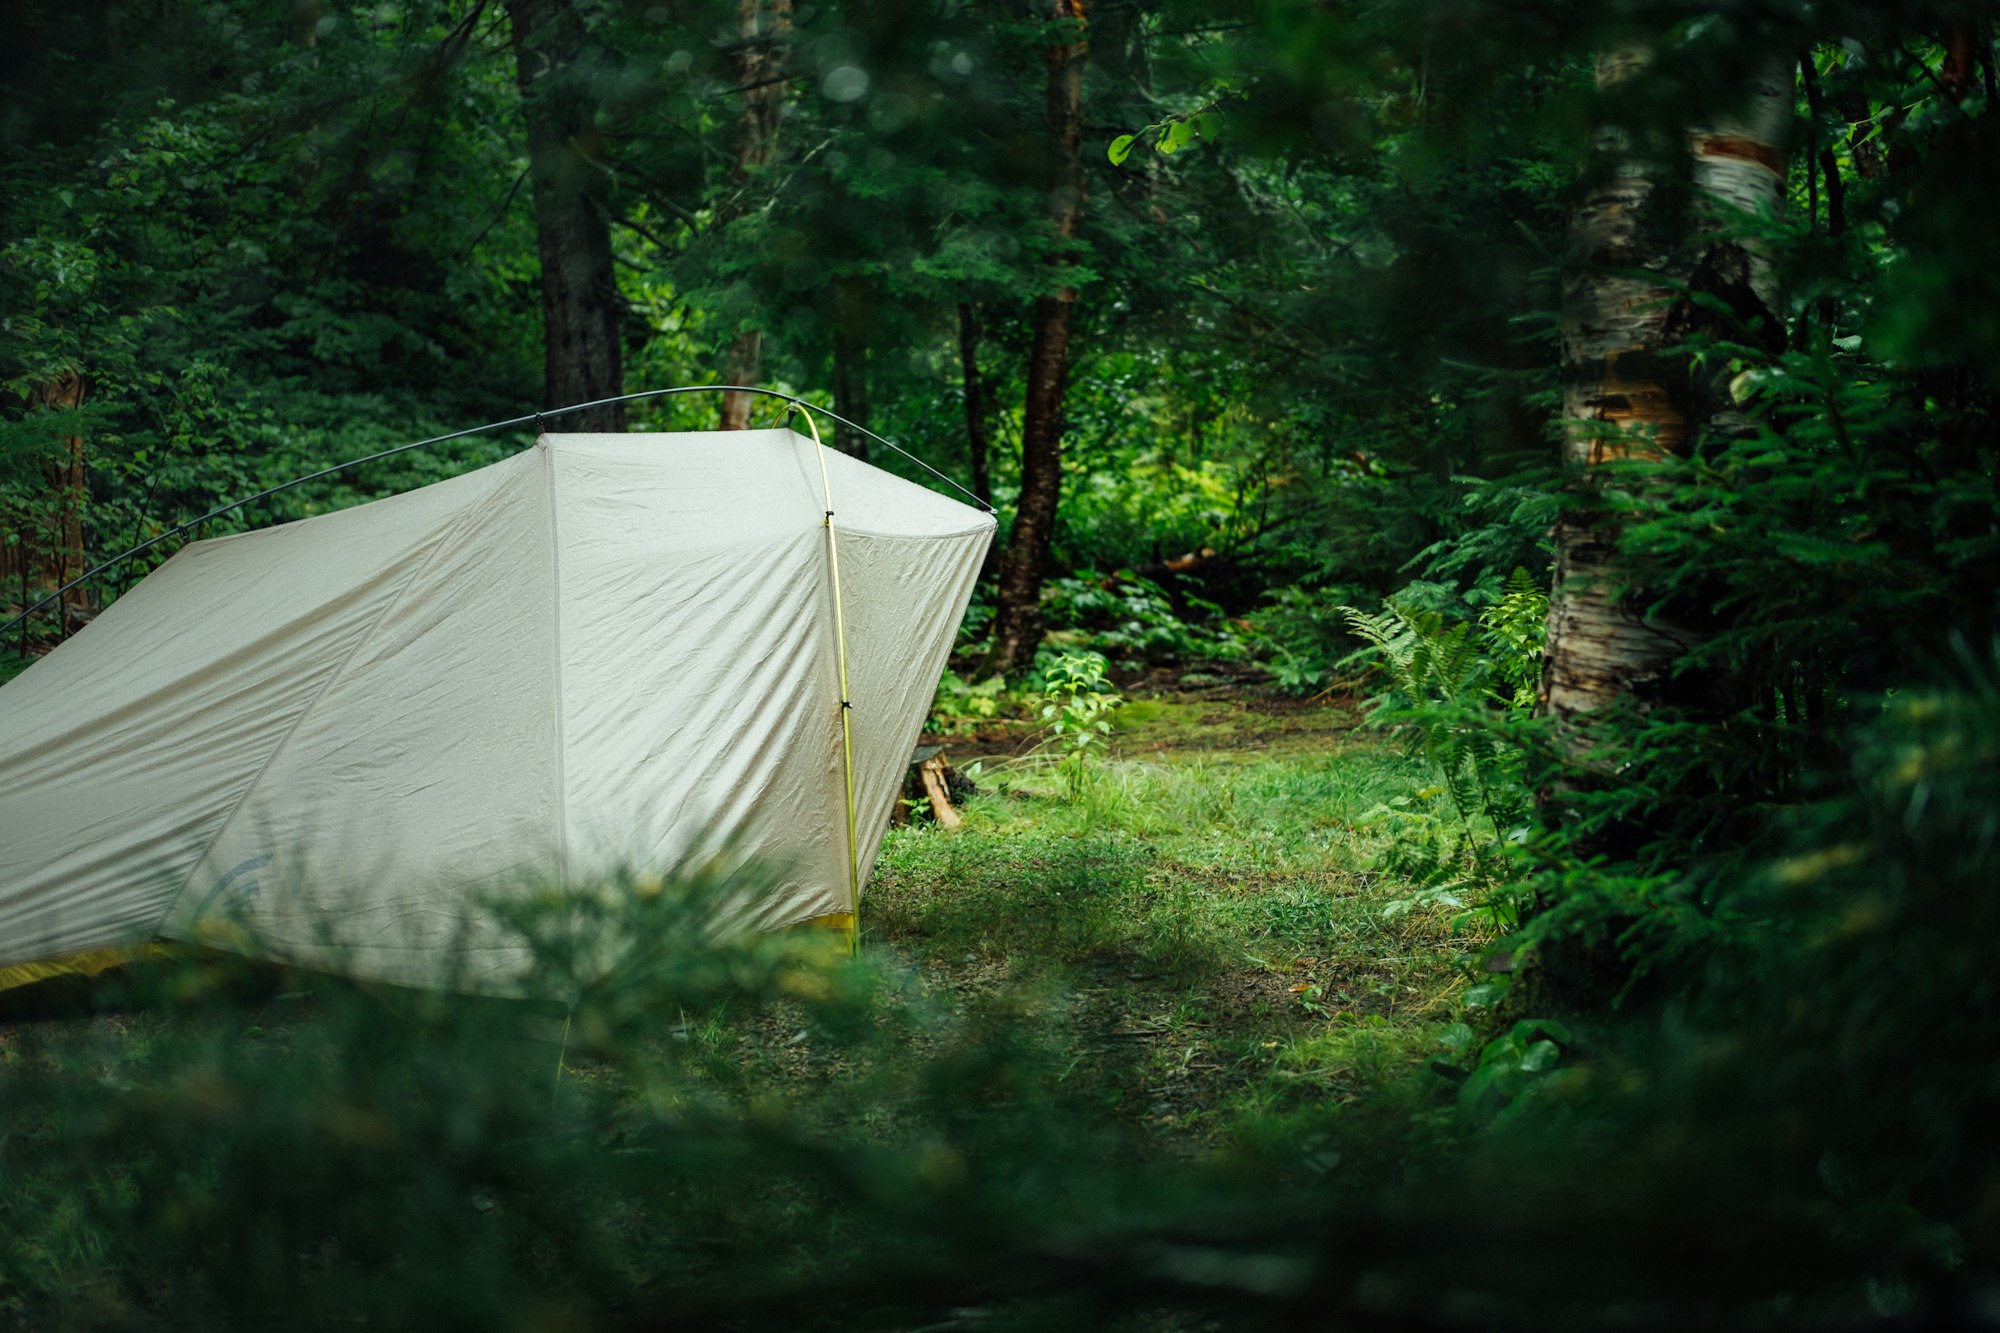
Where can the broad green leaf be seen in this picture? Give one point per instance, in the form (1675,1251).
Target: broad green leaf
(1489,1081)
(1121,148)
(1550,1028)
(1541,1055)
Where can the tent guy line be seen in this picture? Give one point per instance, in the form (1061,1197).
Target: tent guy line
(531,418)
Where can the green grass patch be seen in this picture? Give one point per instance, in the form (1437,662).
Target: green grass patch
(1240,886)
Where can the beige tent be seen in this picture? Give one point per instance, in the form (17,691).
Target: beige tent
(352,733)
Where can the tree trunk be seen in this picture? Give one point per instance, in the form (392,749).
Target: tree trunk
(975,403)
(1622,398)
(764,26)
(1017,616)
(580,302)
(745,366)
(59,555)
(851,332)
(850,393)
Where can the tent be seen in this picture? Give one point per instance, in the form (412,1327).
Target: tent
(351,734)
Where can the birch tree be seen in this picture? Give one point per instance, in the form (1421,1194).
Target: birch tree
(1642,277)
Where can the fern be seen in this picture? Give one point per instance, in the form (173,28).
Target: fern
(1445,680)
(1517,627)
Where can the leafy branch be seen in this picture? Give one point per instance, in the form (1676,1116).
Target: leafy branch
(1173,133)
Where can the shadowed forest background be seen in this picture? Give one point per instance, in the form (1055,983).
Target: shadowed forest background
(1487,692)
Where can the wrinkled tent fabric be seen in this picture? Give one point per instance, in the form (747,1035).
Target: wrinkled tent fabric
(351,734)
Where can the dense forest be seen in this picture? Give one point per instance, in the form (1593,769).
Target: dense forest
(1591,405)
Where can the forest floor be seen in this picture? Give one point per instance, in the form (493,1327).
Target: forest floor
(1202,933)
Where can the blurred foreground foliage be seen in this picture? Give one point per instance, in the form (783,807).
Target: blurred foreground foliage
(766,1134)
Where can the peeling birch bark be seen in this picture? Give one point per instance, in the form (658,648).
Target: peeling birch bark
(1624,271)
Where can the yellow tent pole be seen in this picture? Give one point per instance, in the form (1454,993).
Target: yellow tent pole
(846,703)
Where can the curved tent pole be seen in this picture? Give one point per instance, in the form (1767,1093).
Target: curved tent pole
(531,418)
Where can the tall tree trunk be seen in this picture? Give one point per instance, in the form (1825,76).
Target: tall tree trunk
(583,359)
(763,28)
(1622,397)
(1017,616)
(976,444)
(850,391)
(853,326)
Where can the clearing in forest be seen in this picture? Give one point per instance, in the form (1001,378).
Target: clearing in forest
(1204,925)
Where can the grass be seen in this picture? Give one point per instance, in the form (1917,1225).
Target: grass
(1190,964)
(1212,900)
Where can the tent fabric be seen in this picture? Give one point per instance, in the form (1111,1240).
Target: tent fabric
(351,734)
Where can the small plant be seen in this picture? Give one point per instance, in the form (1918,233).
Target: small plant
(1513,1069)
(1077,703)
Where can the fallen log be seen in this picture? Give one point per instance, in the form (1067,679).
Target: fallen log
(932,779)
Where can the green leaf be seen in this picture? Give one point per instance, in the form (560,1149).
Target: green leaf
(1121,148)
(1494,1082)
(1542,1055)
(1482,996)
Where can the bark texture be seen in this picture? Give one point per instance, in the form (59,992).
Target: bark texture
(583,358)
(1017,616)
(764,30)
(1622,397)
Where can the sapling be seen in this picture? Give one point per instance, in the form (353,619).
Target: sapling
(1078,701)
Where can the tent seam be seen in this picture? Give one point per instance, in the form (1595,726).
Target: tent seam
(556,664)
(972,531)
(333,677)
